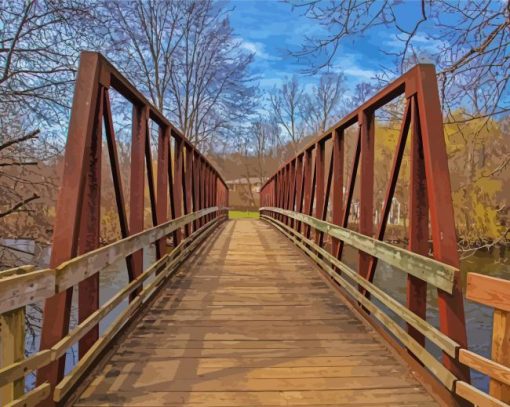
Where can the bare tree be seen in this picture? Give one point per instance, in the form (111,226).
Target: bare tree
(265,141)
(143,38)
(211,89)
(467,40)
(185,56)
(322,104)
(37,64)
(287,105)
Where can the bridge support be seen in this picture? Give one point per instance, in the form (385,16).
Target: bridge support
(429,192)
(77,224)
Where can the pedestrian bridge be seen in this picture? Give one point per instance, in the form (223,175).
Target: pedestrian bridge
(252,312)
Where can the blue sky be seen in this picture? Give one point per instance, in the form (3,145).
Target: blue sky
(271,28)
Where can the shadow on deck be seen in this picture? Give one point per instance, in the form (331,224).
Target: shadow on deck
(249,320)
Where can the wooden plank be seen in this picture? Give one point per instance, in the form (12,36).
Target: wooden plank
(65,385)
(75,270)
(445,376)
(33,397)
(500,352)
(12,350)
(438,274)
(490,291)
(18,290)
(389,397)
(495,292)
(477,397)
(20,368)
(16,270)
(485,366)
(271,342)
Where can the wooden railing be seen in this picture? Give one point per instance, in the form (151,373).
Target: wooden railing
(490,291)
(310,199)
(186,197)
(25,285)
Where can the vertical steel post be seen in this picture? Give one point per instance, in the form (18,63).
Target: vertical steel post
(320,179)
(178,181)
(366,219)
(338,183)
(88,289)
(162,187)
(451,307)
(418,222)
(69,209)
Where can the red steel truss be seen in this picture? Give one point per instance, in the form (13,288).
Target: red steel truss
(303,183)
(186,182)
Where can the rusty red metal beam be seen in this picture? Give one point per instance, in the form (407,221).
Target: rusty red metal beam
(430,190)
(77,226)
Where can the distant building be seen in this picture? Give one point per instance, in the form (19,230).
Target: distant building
(241,184)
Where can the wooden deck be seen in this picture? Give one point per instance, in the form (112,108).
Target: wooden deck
(249,321)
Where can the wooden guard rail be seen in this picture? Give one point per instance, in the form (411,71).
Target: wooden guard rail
(187,199)
(408,262)
(19,288)
(308,194)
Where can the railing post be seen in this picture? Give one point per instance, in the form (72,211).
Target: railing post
(88,290)
(162,187)
(12,349)
(299,188)
(178,164)
(320,180)
(338,183)
(418,221)
(188,186)
(309,181)
(137,185)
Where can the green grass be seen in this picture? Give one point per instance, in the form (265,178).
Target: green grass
(243,214)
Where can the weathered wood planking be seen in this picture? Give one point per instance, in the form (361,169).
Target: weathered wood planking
(215,338)
(17,290)
(494,292)
(445,343)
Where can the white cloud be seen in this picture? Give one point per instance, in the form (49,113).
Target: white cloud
(259,50)
(420,41)
(361,73)
(349,64)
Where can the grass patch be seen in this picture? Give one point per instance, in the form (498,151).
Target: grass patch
(243,214)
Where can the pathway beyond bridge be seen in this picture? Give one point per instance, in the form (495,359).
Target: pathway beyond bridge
(250,321)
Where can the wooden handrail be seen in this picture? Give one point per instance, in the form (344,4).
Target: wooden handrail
(483,289)
(21,289)
(163,268)
(495,293)
(438,274)
(441,340)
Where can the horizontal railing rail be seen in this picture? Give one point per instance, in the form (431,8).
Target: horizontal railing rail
(73,272)
(438,274)
(174,193)
(496,294)
(340,181)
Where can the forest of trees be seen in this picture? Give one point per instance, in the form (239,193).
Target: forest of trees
(187,59)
